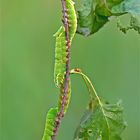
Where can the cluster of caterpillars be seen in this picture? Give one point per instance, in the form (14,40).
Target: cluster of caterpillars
(64,38)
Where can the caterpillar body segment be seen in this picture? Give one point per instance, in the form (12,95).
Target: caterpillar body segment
(72,18)
(60,56)
(58,33)
(60,50)
(50,123)
(67,98)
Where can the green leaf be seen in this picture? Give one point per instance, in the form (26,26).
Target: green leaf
(93,14)
(101,123)
(129,6)
(135,23)
(133,8)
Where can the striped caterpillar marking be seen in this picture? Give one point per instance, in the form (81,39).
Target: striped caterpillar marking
(60,50)
(50,124)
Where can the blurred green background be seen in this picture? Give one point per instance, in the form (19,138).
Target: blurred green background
(109,58)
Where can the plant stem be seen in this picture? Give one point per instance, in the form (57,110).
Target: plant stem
(95,93)
(60,114)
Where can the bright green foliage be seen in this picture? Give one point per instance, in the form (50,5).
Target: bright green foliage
(93,14)
(60,50)
(104,123)
(133,8)
(50,123)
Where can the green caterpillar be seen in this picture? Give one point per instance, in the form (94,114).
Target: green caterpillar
(52,113)
(50,123)
(67,99)
(60,68)
(60,57)
(60,50)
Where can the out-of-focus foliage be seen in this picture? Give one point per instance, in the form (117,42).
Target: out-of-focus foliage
(130,6)
(93,14)
(101,123)
(133,8)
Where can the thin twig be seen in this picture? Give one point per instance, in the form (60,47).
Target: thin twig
(67,75)
(96,95)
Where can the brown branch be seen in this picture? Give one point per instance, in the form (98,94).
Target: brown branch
(67,75)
